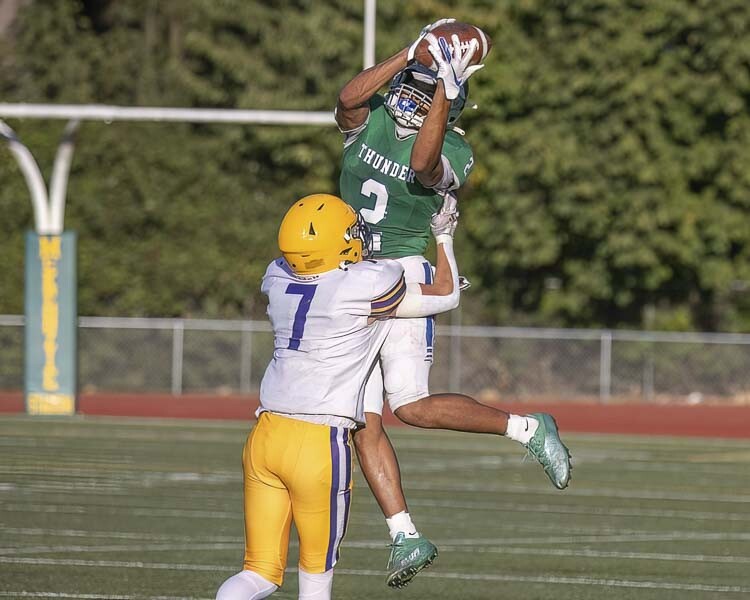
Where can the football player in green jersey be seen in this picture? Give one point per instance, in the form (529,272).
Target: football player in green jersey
(403,162)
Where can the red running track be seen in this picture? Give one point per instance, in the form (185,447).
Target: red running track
(644,419)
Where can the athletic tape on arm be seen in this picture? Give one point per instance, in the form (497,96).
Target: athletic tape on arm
(415,304)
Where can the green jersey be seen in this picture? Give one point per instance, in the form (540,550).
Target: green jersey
(376,180)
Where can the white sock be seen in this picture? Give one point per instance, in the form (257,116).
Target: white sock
(521,428)
(246,585)
(315,586)
(401,523)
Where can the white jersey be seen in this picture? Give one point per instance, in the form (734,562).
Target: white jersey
(324,349)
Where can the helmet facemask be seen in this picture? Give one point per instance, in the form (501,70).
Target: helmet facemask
(410,96)
(359,231)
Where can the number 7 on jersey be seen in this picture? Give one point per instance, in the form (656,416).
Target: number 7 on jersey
(307,292)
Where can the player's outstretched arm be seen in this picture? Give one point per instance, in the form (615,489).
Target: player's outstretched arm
(426,153)
(453,71)
(422,300)
(446,272)
(351,107)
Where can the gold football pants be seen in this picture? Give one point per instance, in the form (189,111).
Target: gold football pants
(294,470)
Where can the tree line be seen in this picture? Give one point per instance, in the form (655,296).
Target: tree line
(612,178)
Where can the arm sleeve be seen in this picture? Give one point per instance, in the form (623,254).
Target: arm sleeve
(449,180)
(415,304)
(458,161)
(350,135)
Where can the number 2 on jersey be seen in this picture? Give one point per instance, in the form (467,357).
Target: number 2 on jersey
(307,292)
(371,188)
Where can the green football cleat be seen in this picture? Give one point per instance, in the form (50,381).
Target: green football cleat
(549,450)
(408,557)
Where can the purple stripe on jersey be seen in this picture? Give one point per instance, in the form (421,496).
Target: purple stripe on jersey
(379,304)
(333,523)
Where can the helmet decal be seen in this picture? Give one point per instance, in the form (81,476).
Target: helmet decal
(320,233)
(407,105)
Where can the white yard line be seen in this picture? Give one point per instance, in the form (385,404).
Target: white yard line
(586,581)
(489,463)
(579,442)
(139,535)
(109,564)
(629,537)
(598,492)
(92,596)
(187,546)
(472,546)
(670,557)
(121,484)
(656,585)
(121,510)
(469,505)
(658,467)
(116,483)
(115,472)
(583,510)
(237,539)
(125,535)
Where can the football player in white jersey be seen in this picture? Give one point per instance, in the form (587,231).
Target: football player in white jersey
(330,311)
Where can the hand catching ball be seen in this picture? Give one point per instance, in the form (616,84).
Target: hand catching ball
(465,32)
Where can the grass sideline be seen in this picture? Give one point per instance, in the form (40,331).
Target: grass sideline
(120,508)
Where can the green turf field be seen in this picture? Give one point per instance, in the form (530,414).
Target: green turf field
(124,508)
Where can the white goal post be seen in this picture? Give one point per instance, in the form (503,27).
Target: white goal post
(49,210)
(50,382)
(108,113)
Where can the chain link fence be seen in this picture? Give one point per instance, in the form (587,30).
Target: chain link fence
(226,357)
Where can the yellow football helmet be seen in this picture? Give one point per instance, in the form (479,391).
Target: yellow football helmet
(321,231)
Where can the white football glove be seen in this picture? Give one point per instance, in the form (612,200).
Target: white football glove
(445,221)
(425,30)
(453,68)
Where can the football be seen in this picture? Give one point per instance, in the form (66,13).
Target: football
(465,33)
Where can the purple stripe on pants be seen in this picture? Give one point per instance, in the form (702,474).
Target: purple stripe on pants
(333,525)
(347,493)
